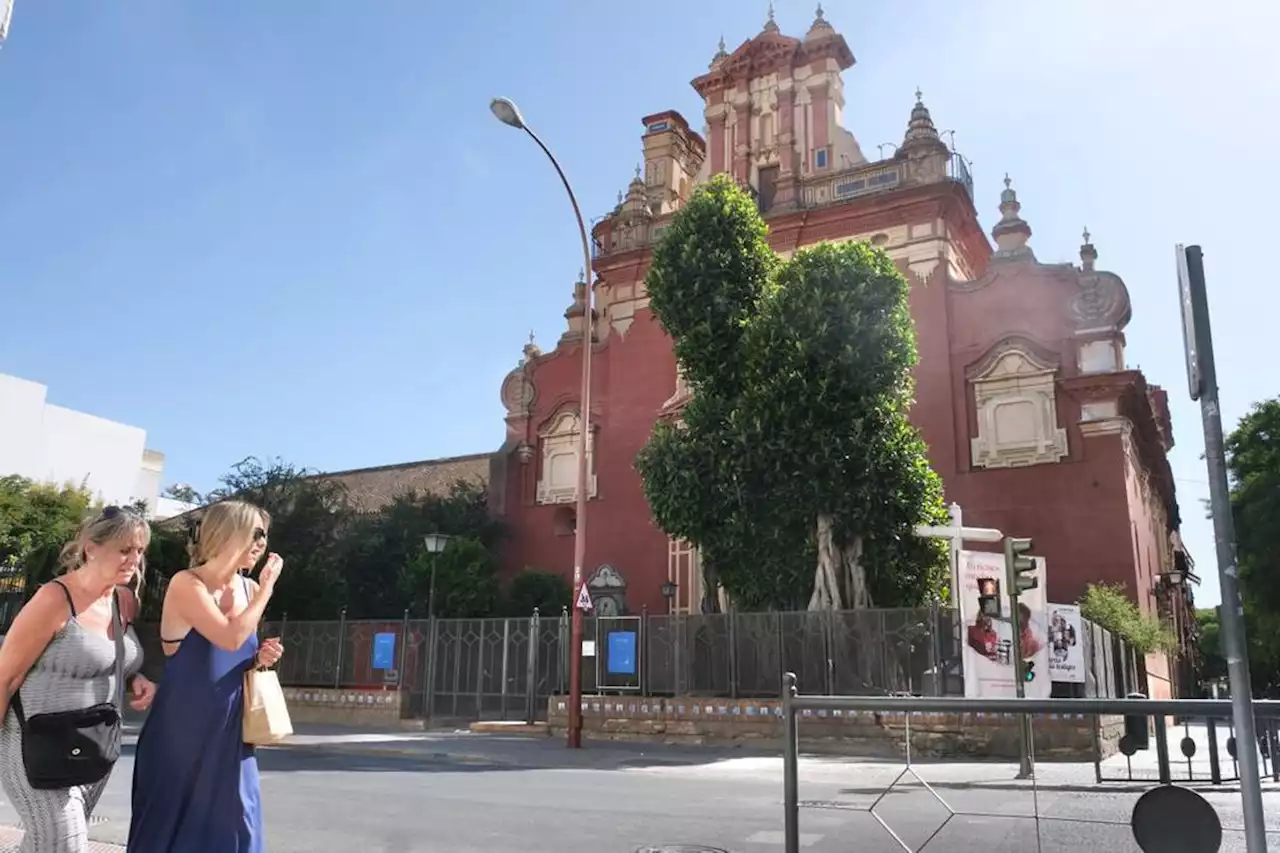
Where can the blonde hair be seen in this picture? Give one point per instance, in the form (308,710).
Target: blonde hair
(111,524)
(226,524)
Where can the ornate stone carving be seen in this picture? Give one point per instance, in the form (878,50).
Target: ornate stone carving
(518,392)
(1015,395)
(608,590)
(1102,303)
(558,479)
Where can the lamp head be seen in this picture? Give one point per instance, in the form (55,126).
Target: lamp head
(507,112)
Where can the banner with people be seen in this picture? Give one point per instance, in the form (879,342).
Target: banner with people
(1066,646)
(988,641)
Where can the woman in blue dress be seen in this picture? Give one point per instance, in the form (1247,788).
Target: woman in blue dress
(195,781)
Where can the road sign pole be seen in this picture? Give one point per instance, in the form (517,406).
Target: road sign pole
(1203,383)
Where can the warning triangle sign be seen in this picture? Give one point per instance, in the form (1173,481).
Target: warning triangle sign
(584,599)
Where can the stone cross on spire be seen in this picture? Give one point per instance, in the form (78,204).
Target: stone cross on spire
(1088,254)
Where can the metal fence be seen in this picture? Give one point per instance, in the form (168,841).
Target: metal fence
(508,668)
(1165,817)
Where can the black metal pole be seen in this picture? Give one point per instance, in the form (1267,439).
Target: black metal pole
(1200,345)
(790,767)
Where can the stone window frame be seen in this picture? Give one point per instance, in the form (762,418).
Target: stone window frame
(1016,371)
(559,437)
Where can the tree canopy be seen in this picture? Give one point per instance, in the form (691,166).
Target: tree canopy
(1253,465)
(794,468)
(36,520)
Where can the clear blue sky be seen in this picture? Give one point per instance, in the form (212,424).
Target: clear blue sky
(287,228)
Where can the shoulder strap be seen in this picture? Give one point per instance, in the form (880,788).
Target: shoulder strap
(16,701)
(70,603)
(117,624)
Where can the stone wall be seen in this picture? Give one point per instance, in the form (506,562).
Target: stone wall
(862,733)
(348,707)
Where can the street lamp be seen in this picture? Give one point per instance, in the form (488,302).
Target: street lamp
(435,543)
(669,593)
(509,114)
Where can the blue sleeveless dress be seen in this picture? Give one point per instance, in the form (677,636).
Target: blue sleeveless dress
(195,781)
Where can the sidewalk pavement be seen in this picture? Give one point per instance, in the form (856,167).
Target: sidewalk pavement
(11,838)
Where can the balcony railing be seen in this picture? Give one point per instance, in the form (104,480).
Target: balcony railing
(958,171)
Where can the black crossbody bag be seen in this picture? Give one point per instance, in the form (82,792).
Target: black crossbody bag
(65,749)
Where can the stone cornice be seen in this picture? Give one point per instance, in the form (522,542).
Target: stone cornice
(1129,390)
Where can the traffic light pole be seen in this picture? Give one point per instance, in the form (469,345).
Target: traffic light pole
(1018,568)
(1020,687)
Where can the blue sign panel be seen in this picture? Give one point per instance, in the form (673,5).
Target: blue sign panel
(622,653)
(384,651)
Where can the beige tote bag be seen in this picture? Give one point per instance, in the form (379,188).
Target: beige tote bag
(266,716)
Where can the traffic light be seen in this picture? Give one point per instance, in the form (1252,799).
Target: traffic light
(1028,670)
(989,597)
(1018,566)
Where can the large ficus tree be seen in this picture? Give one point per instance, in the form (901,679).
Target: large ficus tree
(1253,461)
(793,468)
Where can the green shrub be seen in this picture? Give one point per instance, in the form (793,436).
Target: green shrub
(1108,606)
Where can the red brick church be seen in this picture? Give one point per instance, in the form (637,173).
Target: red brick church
(1033,418)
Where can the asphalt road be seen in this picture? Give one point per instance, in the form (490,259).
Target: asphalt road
(474,794)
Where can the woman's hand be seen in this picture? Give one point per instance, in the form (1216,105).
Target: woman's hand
(144,691)
(270,573)
(270,652)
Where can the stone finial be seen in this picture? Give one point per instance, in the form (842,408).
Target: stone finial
(821,26)
(770,26)
(638,171)
(1011,232)
(531,349)
(921,127)
(721,54)
(1088,254)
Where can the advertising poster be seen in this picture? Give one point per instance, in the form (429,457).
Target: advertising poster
(988,642)
(1066,648)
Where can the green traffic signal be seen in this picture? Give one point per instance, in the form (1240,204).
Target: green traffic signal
(1029,673)
(1018,566)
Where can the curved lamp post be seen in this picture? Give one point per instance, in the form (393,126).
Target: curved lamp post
(509,114)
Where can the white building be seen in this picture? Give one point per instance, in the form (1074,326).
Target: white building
(48,443)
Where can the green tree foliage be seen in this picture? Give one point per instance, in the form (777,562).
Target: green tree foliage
(464,579)
(309,518)
(36,520)
(1253,467)
(380,546)
(549,593)
(371,564)
(1212,664)
(794,470)
(1109,606)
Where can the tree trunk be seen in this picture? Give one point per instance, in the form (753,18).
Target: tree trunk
(826,581)
(710,588)
(855,576)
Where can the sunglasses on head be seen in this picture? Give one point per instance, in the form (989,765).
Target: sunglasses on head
(117,511)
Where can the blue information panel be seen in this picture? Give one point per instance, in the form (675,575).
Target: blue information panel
(621,659)
(384,650)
